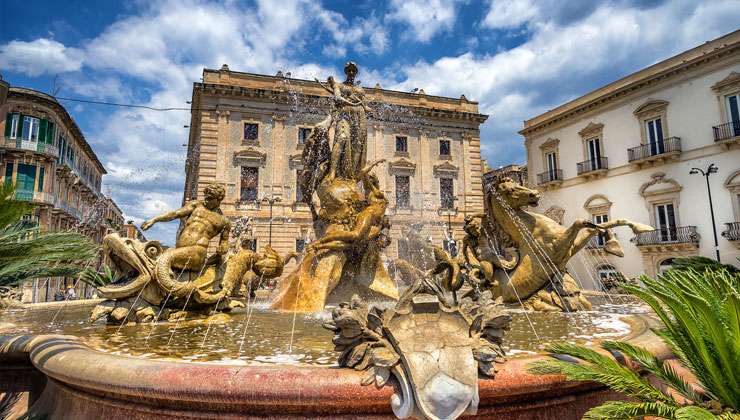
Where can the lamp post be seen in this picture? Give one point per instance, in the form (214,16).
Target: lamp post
(272,201)
(450,209)
(712,169)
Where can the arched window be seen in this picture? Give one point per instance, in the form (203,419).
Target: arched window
(665,265)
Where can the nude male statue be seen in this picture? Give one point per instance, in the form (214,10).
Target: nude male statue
(204,222)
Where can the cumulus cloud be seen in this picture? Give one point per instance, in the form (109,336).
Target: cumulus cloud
(41,56)
(426,18)
(562,58)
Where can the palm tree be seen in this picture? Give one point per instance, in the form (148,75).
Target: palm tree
(95,278)
(701,314)
(27,253)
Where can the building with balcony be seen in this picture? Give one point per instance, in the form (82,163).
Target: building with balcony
(247,133)
(44,153)
(626,149)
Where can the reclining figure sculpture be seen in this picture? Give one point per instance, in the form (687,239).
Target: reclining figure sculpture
(182,281)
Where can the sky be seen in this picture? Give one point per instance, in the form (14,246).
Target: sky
(517,58)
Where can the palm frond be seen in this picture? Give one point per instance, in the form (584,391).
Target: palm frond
(624,410)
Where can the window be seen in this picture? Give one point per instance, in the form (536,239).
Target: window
(30,129)
(654,132)
(41,179)
(733,113)
(665,221)
(251,131)
(300,245)
(401,144)
(303,134)
(250,244)
(665,265)
(444,147)
(598,219)
(11,125)
(594,154)
(552,167)
(25,179)
(446,193)
(250,177)
(298,191)
(402,191)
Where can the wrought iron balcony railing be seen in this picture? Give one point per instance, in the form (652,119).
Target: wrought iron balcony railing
(592,165)
(677,235)
(732,233)
(726,131)
(550,176)
(671,144)
(29,145)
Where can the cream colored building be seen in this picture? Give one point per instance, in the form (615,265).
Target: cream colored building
(626,150)
(247,131)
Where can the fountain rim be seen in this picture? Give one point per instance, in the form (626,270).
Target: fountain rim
(178,385)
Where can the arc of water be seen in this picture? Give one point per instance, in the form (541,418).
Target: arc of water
(526,313)
(154,321)
(295,312)
(528,236)
(250,308)
(74,286)
(200,273)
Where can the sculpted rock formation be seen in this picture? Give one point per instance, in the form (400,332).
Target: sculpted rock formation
(351,229)
(182,281)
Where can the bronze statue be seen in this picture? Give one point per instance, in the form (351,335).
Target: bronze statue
(182,281)
(539,278)
(351,230)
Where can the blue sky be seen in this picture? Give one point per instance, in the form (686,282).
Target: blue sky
(517,58)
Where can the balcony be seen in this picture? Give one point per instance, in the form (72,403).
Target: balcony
(550,179)
(727,134)
(668,239)
(35,196)
(732,233)
(593,167)
(34,146)
(655,153)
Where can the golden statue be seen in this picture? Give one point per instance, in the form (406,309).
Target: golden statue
(351,229)
(182,281)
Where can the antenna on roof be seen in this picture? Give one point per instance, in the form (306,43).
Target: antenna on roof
(54,88)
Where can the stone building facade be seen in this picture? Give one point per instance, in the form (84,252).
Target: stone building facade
(627,149)
(44,153)
(247,132)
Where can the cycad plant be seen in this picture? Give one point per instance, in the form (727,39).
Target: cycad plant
(95,278)
(701,314)
(27,253)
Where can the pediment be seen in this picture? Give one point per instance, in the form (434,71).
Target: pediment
(597,203)
(733,180)
(251,156)
(445,168)
(591,128)
(651,106)
(659,184)
(295,160)
(732,80)
(402,164)
(550,144)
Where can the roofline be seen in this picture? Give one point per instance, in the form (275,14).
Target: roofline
(721,46)
(70,122)
(313,82)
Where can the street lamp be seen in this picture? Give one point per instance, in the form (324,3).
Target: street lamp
(450,209)
(272,201)
(710,170)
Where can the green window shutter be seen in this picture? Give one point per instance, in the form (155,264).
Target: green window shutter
(9,172)
(50,134)
(43,126)
(41,180)
(8,123)
(19,129)
(26,177)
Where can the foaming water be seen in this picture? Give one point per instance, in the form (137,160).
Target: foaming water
(268,338)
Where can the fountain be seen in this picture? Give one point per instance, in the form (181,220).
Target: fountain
(437,351)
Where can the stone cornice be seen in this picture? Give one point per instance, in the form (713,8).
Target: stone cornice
(590,129)
(402,164)
(250,155)
(550,144)
(720,48)
(729,82)
(445,168)
(650,106)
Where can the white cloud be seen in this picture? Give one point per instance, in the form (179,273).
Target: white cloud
(426,18)
(510,13)
(41,56)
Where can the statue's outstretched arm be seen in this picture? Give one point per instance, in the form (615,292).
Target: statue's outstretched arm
(171,215)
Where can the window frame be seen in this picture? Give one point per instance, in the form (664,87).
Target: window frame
(448,142)
(301,131)
(446,203)
(247,140)
(403,201)
(242,188)
(404,140)
(31,126)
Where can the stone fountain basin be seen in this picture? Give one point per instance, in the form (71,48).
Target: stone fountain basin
(67,379)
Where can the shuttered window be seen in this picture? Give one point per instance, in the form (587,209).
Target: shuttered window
(41,180)
(9,173)
(26,177)
(250,177)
